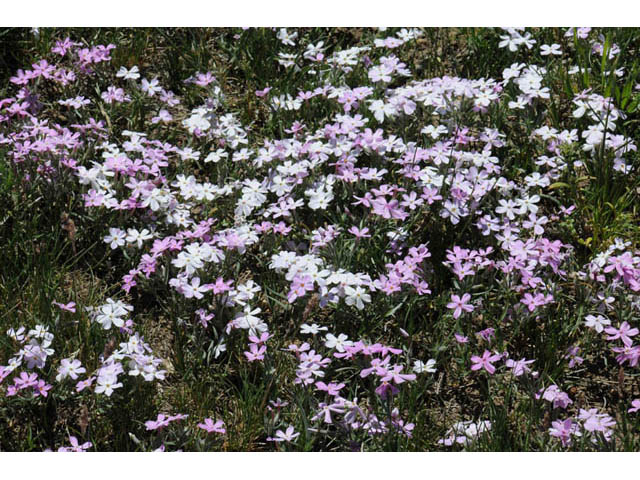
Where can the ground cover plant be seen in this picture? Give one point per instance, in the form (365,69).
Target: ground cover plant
(313,239)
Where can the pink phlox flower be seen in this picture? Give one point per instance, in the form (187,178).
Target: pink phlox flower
(263,92)
(287,436)
(41,388)
(398,377)
(574,358)
(459,304)
(621,263)
(461,338)
(157,424)
(388,209)
(519,367)
(277,404)
(553,394)
(69,307)
(332,389)
(364,201)
(255,352)
(163,421)
(298,349)
(299,287)
(259,340)
(221,286)
(326,409)
(485,362)
(627,353)
(593,421)
(26,380)
(75,445)
(624,332)
(385,388)
(204,317)
(487,334)
(378,366)
(82,384)
(359,233)
(564,430)
(532,302)
(210,426)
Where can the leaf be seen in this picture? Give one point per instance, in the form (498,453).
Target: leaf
(555,186)
(391,312)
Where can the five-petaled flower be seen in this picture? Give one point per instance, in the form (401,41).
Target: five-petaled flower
(485,361)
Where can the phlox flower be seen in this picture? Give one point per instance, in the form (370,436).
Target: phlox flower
(461,338)
(17,335)
(332,389)
(42,388)
(485,362)
(593,421)
(519,367)
(287,436)
(69,369)
(110,313)
(356,296)
(359,233)
(624,332)
(69,307)
(388,209)
(221,286)
(386,388)
(249,320)
(116,238)
(574,358)
(553,49)
(210,426)
(564,430)
(128,74)
(312,329)
(287,38)
(395,374)
(535,223)
(532,302)
(326,410)
(553,394)
(486,334)
(204,317)
(194,289)
(299,287)
(75,446)
(204,79)
(339,342)
(163,421)
(458,304)
(420,367)
(163,116)
(82,384)
(263,92)
(134,236)
(597,322)
(464,433)
(107,384)
(381,110)
(256,352)
(151,87)
(276,404)
(635,406)
(259,340)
